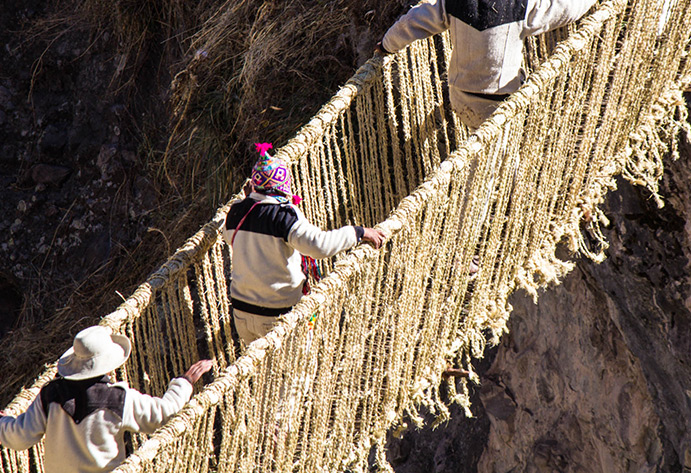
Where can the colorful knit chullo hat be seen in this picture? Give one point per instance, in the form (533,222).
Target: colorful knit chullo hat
(269,173)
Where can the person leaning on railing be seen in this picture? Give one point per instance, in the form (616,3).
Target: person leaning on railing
(274,246)
(487,38)
(83,417)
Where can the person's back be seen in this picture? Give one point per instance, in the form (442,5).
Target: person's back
(83,417)
(89,419)
(487,38)
(267,267)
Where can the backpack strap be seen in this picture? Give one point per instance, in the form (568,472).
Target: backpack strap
(242,220)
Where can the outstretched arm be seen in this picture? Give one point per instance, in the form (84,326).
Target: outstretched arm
(144,413)
(25,430)
(546,15)
(312,241)
(421,21)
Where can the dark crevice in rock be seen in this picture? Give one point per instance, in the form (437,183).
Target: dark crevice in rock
(11,301)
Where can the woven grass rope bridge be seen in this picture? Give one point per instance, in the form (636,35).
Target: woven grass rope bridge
(366,349)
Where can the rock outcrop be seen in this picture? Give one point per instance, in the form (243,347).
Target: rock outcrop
(595,377)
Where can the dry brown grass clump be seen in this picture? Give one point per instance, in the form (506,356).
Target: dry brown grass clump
(258,71)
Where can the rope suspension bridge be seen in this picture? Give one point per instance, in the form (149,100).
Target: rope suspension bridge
(365,350)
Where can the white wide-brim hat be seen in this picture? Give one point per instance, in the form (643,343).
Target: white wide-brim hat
(95,352)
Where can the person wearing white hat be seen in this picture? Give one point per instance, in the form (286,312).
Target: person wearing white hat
(83,416)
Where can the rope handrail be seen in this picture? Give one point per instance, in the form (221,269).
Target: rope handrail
(472,202)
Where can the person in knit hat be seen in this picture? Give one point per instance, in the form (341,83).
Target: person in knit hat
(269,236)
(83,417)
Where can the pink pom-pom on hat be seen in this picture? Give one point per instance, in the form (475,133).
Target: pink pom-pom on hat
(262,148)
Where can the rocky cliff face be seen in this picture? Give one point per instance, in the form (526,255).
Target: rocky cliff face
(597,376)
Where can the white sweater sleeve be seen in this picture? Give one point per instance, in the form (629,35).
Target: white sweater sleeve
(421,21)
(546,15)
(24,431)
(144,413)
(310,240)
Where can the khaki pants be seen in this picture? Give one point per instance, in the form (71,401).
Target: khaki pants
(250,327)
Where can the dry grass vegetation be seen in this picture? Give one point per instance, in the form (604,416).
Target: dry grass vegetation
(203,81)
